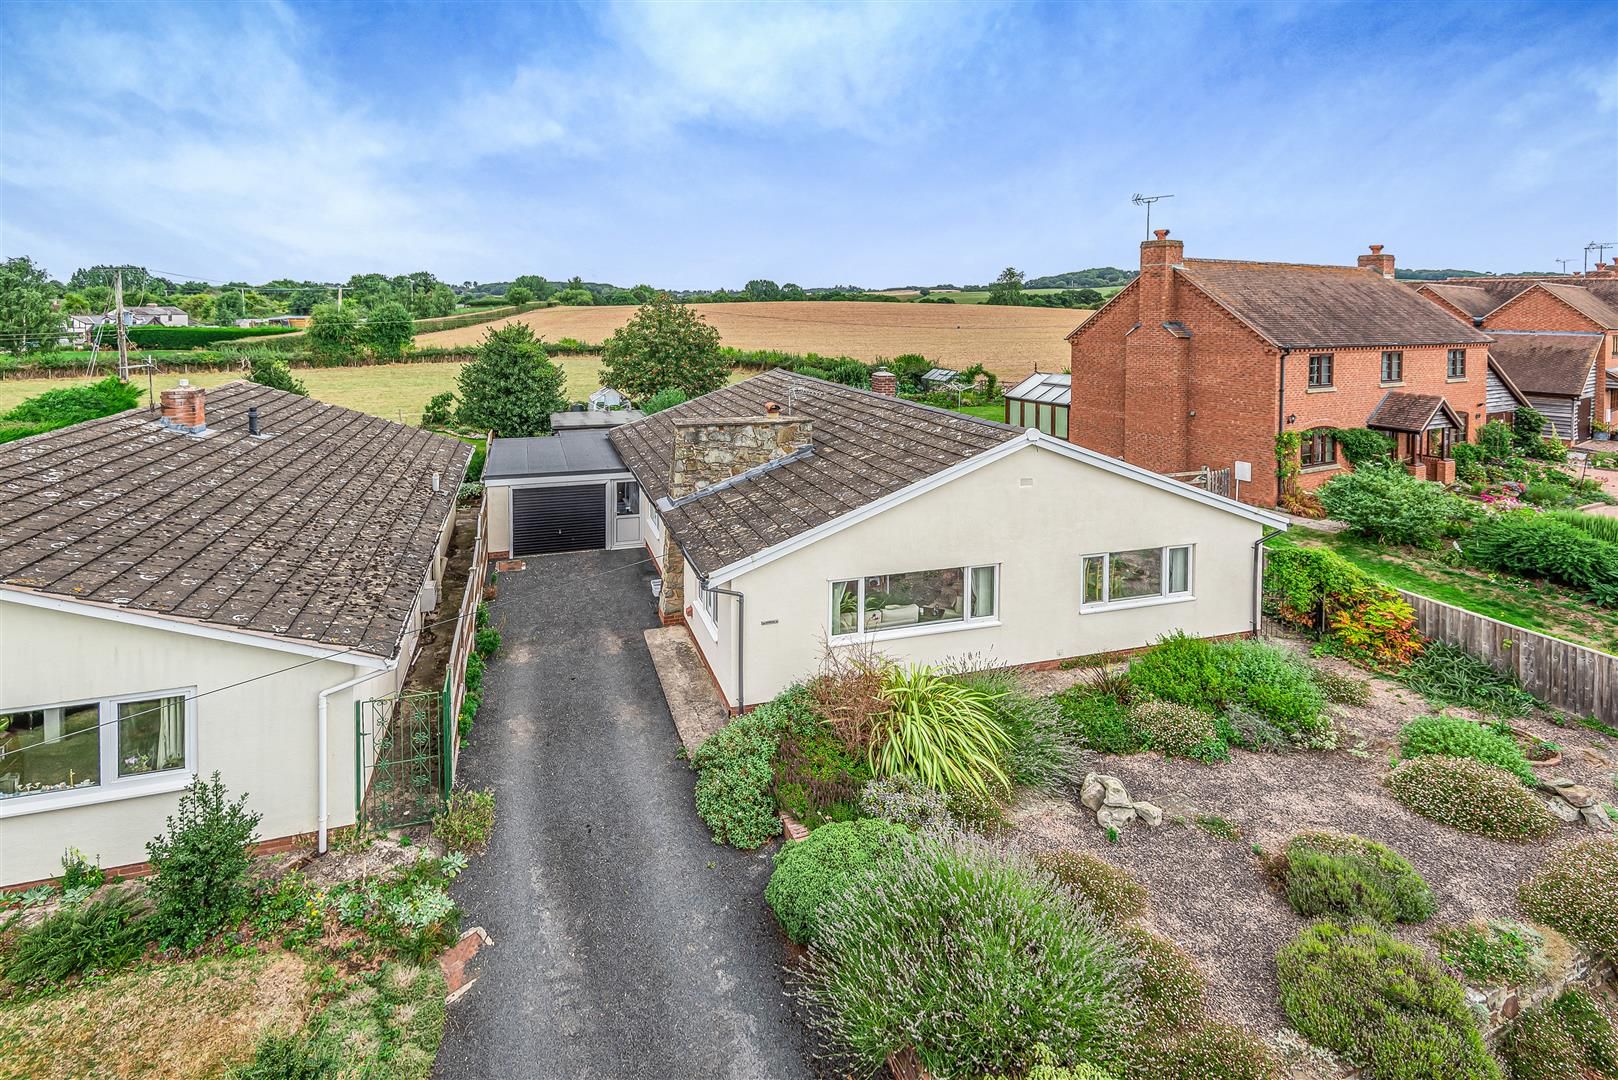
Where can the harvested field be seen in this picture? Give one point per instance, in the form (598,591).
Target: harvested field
(1008,341)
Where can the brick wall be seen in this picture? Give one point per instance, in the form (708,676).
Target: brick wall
(1536,309)
(1094,418)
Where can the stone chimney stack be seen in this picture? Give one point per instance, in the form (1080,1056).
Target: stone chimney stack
(885,382)
(708,451)
(1382,264)
(185,408)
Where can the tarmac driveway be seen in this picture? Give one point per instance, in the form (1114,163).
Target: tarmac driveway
(626,943)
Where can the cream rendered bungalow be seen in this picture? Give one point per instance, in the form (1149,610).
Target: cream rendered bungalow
(206,588)
(787,513)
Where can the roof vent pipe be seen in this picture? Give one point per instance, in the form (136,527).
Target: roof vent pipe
(438,482)
(252,419)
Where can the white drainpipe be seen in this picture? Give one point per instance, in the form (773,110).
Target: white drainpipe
(321,728)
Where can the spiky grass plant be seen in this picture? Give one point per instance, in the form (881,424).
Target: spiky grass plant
(942,731)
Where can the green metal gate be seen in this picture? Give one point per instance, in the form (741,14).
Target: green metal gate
(403,767)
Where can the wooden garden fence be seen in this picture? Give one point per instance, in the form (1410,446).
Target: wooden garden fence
(1571,677)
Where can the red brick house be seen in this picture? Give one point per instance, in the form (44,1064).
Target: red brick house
(1202,362)
(1556,339)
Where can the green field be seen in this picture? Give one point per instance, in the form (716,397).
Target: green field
(979,296)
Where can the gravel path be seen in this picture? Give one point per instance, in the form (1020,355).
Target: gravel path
(1211,896)
(626,944)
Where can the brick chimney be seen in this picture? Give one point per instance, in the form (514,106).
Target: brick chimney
(1382,264)
(1156,365)
(886,382)
(185,408)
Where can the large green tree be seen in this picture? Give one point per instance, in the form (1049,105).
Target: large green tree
(229,306)
(535,284)
(440,301)
(304,299)
(518,295)
(512,387)
(334,332)
(1007,288)
(389,329)
(26,319)
(665,345)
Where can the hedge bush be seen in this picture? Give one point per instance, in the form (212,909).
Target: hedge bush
(1381,1005)
(199,863)
(1472,797)
(814,871)
(1352,878)
(69,405)
(1563,1039)
(1576,891)
(1383,501)
(1319,590)
(1453,736)
(196,337)
(1529,544)
(736,777)
(1110,891)
(1216,676)
(971,956)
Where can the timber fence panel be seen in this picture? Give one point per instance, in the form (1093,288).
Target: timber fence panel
(1568,676)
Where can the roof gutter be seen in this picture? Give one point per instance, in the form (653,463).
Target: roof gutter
(741,626)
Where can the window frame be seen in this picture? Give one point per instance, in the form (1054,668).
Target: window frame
(111,786)
(1327,367)
(1450,359)
(1164,597)
(1311,439)
(707,608)
(1398,372)
(861,634)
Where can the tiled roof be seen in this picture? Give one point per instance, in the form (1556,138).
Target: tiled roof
(322,529)
(865,446)
(1297,306)
(1545,362)
(1586,303)
(1474,301)
(1399,411)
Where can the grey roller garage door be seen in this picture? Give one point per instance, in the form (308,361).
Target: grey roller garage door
(545,519)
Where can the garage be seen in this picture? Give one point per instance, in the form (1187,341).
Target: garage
(563,492)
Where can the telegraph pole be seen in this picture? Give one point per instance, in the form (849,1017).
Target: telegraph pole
(123,338)
(339,298)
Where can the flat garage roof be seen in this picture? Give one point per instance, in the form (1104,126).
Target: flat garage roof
(570,454)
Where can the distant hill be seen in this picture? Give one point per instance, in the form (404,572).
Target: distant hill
(1097,277)
(1438,275)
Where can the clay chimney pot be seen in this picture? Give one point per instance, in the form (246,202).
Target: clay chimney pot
(1161,234)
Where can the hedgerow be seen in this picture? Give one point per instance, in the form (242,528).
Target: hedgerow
(196,337)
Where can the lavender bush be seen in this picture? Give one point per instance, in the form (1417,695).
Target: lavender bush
(973,957)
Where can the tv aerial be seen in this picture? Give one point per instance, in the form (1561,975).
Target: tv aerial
(1147,201)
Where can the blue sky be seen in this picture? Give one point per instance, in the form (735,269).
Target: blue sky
(698,145)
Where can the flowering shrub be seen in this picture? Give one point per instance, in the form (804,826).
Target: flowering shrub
(1176,730)
(1110,891)
(1472,797)
(1381,1005)
(1576,892)
(1352,878)
(812,872)
(905,801)
(971,956)
(1569,1036)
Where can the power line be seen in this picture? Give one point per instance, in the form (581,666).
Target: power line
(294,667)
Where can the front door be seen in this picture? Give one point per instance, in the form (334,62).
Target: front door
(626,514)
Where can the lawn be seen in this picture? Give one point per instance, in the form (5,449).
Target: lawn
(1539,606)
(181,1020)
(984,412)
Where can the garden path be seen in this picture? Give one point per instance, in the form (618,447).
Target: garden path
(625,942)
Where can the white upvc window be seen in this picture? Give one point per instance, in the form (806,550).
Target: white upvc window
(708,609)
(919,602)
(95,750)
(654,525)
(1136,578)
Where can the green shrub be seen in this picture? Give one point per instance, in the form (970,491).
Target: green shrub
(1044,1065)
(1110,891)
(100,936)
(1576,891)
(941,730)
(663,399)
(1492,954)
(1383,501)
(1445,674)
(1211,1050)
(69,405)
(1341,689)
(439,410)
(1176,730)
(972,957)
(199,864)
(270,370)
(1099,721)
(736,771)
(1351,878)
(467,821)
(474,673)
(812,872)
(1361,446)
(1472,797)
(1320,590)
(196,337)
(817,778)
(1453,736)
(1216,677)
(1043,752)
(1381,1005)
(487,642)
(1563,1039)
(1602,528)
(975,812)
(1535,545)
